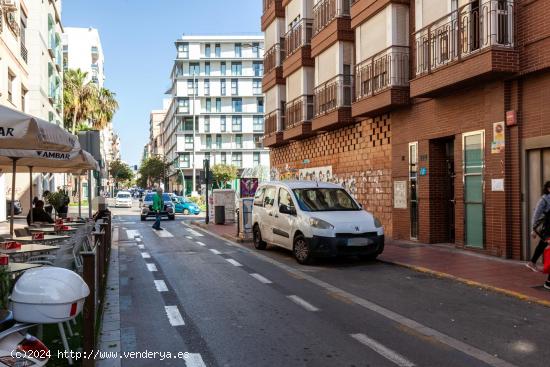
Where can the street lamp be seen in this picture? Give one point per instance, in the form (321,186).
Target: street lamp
(194,188)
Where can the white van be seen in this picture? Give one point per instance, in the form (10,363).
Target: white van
(314,219)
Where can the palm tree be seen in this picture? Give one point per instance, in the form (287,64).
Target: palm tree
(78,98)
(105,106)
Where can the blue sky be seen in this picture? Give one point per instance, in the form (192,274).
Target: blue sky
(138,41)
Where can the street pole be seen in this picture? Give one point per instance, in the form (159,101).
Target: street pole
(206,164)
(194,188)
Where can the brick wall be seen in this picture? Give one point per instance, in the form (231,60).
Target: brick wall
(359,154)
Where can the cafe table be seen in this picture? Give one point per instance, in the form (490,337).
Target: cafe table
(47,238)
(27,250)
(52,229)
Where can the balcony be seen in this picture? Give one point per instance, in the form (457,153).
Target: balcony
(273,136)
(272,9)
(299,113)
(363,10)
(382,82)
(331,23)
(333,103)
(298,47)
(473,43)
(24,52)
(273,70)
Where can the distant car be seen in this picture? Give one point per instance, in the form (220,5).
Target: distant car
(16,208)
(147,207)
(186,206)
(123,199)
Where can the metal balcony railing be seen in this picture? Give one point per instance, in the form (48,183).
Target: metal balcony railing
(333,94)
(471,28)
(273,58)
(24,52)
(299,35)
(327,10)
(274,122)
(298,110)
(388,68)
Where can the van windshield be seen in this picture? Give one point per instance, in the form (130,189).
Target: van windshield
(123,196)
(325,200)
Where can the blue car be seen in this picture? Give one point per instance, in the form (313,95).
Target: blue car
(185,206)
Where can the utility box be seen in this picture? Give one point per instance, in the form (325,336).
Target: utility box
(245,218)
(225,198)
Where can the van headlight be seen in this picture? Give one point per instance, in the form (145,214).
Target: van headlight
(377,222)
(319,223)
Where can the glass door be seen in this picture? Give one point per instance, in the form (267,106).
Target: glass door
(413,188)
(473,148)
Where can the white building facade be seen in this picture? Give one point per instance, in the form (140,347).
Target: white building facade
(223,76)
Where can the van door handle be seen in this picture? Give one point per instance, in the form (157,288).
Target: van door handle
(276,216)
(270,214)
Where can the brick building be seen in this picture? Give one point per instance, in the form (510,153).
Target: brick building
(432,112)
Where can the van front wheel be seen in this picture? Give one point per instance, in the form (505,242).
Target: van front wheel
(301,250)
(259,244)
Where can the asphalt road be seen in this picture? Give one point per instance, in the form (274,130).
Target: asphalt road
(183,290)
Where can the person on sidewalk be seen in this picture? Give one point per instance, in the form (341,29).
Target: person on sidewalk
(39,214)
(158,206)
(542,211)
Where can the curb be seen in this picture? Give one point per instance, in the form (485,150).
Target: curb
(471,283)
(226,236)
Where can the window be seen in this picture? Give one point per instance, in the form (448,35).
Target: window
(238,50)
(258,141)
(259,197)
(258,123)
(207,68)
(238,141)
(237,124)
(218,141)
(236,68)
(207,50)
(223,68)
(223,89)
(260,104)
(223,124)
(257,86)
(185,160)
(256,158)
(224,158)
(23,98)
(234,87)
(237,104)
(285,198)
(187,124)
(269,196)
(237,159)
(217,50)
(208,141)
(207,156)
(183,50)
(11,79)
(192,87)
(208,105)
(256,49)
(258,68)
(218,105)
(188,142)
(183,105)
(194,68)
(207,87)
(206,124)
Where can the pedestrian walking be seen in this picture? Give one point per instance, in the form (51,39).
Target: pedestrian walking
(158,206)
(541,229)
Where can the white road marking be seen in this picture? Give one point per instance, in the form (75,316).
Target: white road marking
(194,360)
(138,239)
(299,301)
(382,350)
(189,237)
(132,233)
(145,255)
(174,316)
(141,247)
(161,286)
(163,233)
(261,278)
(194,233)
(229,243)
(201,244)
(214,251)
(152,267)
(233,262)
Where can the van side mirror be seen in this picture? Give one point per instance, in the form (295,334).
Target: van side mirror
(285,209)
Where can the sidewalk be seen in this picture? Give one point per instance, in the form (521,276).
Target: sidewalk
(509,277)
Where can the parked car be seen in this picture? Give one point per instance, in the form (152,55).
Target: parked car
(17,208)
(147,207)
(186,206)
(123,199)
(314,219)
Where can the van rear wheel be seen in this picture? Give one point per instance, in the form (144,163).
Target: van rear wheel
(301,250)
(259,244)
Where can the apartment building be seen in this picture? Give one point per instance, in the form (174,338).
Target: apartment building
(432,112)
(217,107)
(156,119)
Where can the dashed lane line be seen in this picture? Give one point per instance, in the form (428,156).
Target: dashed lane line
(214,251)
(132,233)
(301,302)
(141,247)
(161,286)
(383,350)
(174,316)
(233,262)
(194,233)
(152,267)
(201,244)
(145,255)
(189,237)
(163,233)
(194,360)
(261,278)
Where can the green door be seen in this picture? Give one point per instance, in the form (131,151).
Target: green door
(473,145)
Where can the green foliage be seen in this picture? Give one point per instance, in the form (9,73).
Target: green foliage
(120,172)
(58,200)
(199,200)
(152,170)
(223,173)
(5,285)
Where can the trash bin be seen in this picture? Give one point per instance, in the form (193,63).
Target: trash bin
(219,214)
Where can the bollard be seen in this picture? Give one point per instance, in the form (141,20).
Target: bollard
(89,311)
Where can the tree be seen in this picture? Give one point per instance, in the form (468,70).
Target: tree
(152,170)
(104,108)
(78,98)
(223,173)
(120,172)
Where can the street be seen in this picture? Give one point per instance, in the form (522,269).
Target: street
(183,290)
